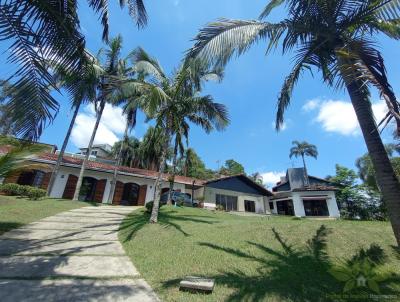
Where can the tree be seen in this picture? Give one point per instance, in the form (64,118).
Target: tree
(366,170)
(232,167)
(35,31)
(115,77)
(257,177)
(356,201)
(179,103)
(191,165)
(302,149)
(6,121)
(337,38)
(130,148)
(81,86)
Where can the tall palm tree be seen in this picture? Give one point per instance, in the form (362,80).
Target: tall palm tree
(129,156)
(114,76)
(178,105)
(302,149)
(35,31)
(337,38)
(81,85)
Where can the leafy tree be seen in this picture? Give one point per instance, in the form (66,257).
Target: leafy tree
(179,103)
(232,167)
(6,121)
(336,37)
(191,165)
(257,177)
(302,149)
(366,169)
(356,201)
(35,31)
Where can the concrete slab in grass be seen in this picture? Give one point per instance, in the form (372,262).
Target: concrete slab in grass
(68,266)
(59,247)
(37,234)
(76,290)
(80,219)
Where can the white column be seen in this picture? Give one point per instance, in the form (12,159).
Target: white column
(298,205)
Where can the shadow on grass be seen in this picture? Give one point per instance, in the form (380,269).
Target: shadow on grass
(295,274)
(172,218)
(8,226)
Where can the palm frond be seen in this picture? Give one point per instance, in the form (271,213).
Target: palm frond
(270,7)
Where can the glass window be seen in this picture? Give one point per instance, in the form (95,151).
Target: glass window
(228,202)
(271,205)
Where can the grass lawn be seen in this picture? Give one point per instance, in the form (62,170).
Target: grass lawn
(254,258)
(17,211)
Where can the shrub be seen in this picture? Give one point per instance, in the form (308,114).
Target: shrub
(19,190)
(35,193)
(220,207)
(149,206)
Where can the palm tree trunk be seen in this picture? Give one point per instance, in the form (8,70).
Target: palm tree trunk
(386,178)
(117,164)
(62,151)
(306,182)
(89,151)
(159,181)
(172,180)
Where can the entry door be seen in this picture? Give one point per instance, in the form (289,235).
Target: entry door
(285,207)
(249,206)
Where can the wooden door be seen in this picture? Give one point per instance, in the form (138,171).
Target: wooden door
(70,187)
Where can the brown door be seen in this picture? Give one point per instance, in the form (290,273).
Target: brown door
(99,193)
(45,181)
(119,190)
(142,195)
(70,187)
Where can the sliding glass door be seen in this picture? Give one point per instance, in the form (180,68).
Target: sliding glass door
(228,202)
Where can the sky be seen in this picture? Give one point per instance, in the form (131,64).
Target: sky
(317,114)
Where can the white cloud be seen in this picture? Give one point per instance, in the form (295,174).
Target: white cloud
(311,105)
(271,178)
(338,116)
(112,125)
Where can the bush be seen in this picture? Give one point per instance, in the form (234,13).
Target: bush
(26,191)
(35,193)
(149,206)
(220,207)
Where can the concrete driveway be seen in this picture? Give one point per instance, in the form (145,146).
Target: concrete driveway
(72,256)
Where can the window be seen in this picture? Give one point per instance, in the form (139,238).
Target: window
(271,205)
(228,202)
(250,206)
(94,153)
(316,207)
(38,179)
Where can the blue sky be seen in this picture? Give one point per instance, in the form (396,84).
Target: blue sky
(318,114)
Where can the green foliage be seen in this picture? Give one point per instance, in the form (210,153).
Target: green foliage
(219,207)
(232,167)
(12,189)
(356,201)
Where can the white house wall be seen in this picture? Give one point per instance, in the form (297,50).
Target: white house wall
(62,179)
(210,199)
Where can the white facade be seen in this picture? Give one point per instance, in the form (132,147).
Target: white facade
(298,197)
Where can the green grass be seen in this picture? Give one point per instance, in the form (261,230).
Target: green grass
(17,211)
(252,258)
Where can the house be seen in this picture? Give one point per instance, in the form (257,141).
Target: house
(236,193)
(298,194)
(99,150)
(294,195)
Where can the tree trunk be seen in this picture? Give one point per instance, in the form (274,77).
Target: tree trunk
(62,151)
(89,151)
(117,164)
(306,180)
(159,181)
(172,180)
(386,178)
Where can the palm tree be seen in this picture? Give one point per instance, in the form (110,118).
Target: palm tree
(35,31)
(129,151)
(303,149)
(81,87)
(335,37)
(115,76)
(178,105)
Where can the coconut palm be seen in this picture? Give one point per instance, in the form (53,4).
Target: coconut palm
(337,38)
(81,85)
(178,105)
(35,31)
(302,149)
(115,77)
(129,151)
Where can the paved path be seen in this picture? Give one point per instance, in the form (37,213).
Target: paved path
(72,256)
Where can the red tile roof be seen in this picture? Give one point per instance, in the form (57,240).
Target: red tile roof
(102,166)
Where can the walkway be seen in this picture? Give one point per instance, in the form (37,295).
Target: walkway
(72,256)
